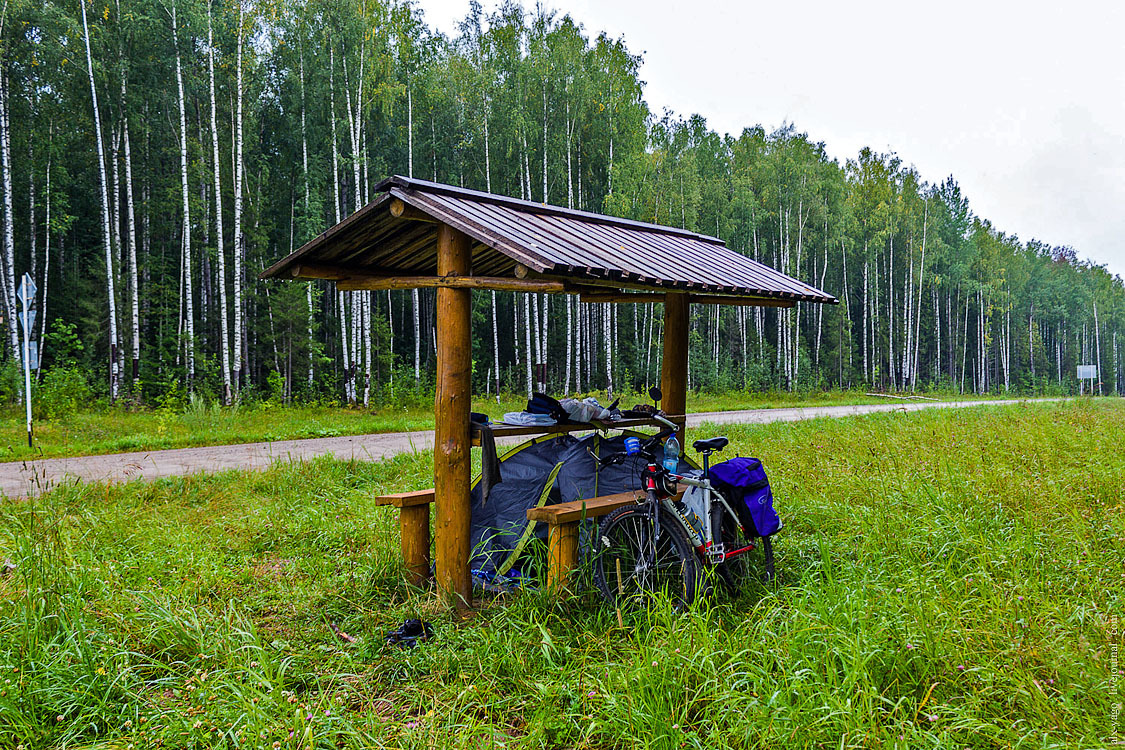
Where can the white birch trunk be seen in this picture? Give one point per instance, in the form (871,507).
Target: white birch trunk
(305,171)
(115,192)
(366,309)
(648,342)
(239,240)
(965,344)
(342,298)
(113,374)
(495,347)
(409,131)
(1098,348)
(921,284)
(543,355)
(9,272)
(528,353)
(185,245)
(866,308)
(544,140)
(533,321)
(417,337)
(607,333)
(569,173)
(335,146)
(46,266)
(569,341)
(341,305)
(220,248)
(134,289)
(33,231)
(487,156)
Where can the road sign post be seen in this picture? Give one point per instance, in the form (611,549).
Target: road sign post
(26,295)
(1087,372)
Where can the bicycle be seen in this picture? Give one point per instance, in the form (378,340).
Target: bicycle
(653,548)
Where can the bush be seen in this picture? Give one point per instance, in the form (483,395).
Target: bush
(11,382)
(63,392)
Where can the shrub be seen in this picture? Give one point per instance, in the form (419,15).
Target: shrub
(63,392)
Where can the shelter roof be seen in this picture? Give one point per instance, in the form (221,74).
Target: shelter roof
(395,236)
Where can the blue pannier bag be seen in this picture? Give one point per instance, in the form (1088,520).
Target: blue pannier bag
(744,482)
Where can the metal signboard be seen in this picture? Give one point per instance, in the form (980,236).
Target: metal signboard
(1087,372)
(31,315)
(26,292)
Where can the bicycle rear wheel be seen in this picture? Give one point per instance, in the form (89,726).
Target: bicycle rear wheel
(630,568)
(736,570)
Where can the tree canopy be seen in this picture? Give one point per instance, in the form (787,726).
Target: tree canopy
(231,131)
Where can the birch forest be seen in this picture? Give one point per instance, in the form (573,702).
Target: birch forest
(156,155)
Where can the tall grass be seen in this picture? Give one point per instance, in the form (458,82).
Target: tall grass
(946,579)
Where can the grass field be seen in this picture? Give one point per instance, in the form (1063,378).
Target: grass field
(120,430)
(947,579)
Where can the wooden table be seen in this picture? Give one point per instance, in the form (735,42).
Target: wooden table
(502,429)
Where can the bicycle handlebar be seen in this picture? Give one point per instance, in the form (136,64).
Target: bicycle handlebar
(646,446)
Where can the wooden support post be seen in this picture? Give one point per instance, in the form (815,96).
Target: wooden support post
(673,371)
(451,420)
(562,555)
(414,528)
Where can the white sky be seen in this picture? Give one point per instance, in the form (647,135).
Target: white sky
(1022,102)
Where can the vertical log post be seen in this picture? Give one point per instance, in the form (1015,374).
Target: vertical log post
(414,527)
(673,371)
(562,555)
(451,420)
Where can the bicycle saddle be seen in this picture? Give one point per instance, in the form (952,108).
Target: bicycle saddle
(711,444)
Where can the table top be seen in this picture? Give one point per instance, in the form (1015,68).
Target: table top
(500,429)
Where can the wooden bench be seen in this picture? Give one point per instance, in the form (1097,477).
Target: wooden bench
(414,529)
(563,520)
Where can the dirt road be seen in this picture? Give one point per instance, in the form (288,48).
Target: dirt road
(19,479)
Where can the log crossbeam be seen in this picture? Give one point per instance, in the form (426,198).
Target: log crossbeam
(350,280)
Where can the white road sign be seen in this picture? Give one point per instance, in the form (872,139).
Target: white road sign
(1087,372)
(31,315)
(26,292)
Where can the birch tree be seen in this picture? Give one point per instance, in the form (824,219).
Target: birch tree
(220,246)
(110,295)
(239,238)
(189,342)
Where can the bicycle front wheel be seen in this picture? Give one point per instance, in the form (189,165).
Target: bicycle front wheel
(635,563)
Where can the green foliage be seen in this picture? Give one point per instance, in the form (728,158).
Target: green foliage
(63,343)
(63,392)
(525,102)
(11,382)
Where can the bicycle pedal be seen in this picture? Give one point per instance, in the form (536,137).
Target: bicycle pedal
(717,554)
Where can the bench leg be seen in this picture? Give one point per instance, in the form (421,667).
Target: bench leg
(562,554)
(414,527)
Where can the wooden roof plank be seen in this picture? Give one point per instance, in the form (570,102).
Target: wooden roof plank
(571,246)
(473,229)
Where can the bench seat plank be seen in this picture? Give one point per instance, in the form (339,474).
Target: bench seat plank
(595,507)
(406,499)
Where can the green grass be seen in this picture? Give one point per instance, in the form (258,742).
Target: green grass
(947,579)
(120,430)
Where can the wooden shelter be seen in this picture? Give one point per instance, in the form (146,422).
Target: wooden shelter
(426,234)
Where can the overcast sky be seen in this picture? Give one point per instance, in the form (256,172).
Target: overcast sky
(1022,102)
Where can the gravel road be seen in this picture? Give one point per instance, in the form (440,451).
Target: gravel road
(23,478)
